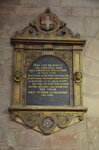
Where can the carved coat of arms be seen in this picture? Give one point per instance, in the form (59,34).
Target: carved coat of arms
(47,23)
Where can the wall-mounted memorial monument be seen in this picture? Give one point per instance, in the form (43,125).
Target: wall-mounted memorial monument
(47,75)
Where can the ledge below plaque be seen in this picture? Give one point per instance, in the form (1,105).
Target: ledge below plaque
(47,120)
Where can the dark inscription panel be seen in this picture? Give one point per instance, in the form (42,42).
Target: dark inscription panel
(48,82)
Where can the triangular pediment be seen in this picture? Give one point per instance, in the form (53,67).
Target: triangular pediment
(46,26)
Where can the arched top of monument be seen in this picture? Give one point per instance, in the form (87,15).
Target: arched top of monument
(47,26)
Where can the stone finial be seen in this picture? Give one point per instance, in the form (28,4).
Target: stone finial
(48,10)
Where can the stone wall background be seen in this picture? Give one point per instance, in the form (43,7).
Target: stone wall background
(81,16)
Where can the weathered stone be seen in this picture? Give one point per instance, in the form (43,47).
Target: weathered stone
(80,3)
(31,148)
(91,85)
(81,11)
(93,140)
(4,106)
(88,41)
(10,2)
(37,3)
(14,125)
(5,52)
(31,139)
(81,135)
(68,11)
(48,141)
(3,129)
(93,49)
(11,24)
(92,123)
(5,97)
(82,140)
(92,104)
(67,148)
(13,138)
(95,12)
(25,148)
(61,11)
(58,10)
(64,139)
(3,146)
(74,23)
(1,73)
(29,11)
(6,78)
(93,132)
(91,26)
(97,35)
(93,70)
(6,10)
(54,3)
(10,148)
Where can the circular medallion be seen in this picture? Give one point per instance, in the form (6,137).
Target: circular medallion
(47,22)
(47,124)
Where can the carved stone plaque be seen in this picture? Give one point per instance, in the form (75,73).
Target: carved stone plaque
(47,75)
(48,82)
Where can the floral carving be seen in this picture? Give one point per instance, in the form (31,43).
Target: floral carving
(64,119)
(47,123)
(30,118)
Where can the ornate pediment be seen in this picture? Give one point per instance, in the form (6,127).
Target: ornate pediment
(46,26)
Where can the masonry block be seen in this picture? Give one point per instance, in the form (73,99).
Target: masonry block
(80,3)
(95,12)
(93,70)
(92,103)
(91,26)
(31,139)
(65,139)
(81,12)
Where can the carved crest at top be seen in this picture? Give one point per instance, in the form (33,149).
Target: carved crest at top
(46,22)
(47,25)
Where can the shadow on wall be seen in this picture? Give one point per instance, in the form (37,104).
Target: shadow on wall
(10,148)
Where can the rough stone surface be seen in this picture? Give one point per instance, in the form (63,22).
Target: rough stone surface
(91,26)
(81,12)
(81,16)
(91,85)
(95,12)
(3,146)
(82,135)
(59,11)
(28,11)
(65,139)
(93,133)
(10,2)
(35,4)
(34,139)
(94,66)
(93,49)
(3,130)
(13,138)
(80,3)
(92,103)
(74,23)
(48,141)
